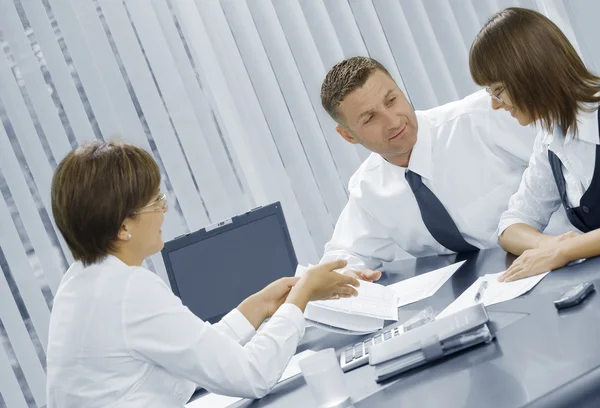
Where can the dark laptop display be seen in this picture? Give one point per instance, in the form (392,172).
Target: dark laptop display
(214,269)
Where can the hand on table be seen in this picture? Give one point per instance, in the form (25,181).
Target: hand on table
(533,262)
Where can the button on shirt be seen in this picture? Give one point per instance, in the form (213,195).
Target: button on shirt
(471,157)
(120,338)
(538,198)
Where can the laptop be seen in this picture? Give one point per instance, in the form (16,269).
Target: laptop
(212,270)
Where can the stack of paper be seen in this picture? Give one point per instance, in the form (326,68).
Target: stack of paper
(423,286)
(222,401)
(495,292)
(363,313)
(375,303)
(373,300)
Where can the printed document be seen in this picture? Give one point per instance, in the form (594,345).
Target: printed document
(422,286)
(364,313)
(496,292)
(373,300)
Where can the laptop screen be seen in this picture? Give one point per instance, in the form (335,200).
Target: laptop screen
(213,271)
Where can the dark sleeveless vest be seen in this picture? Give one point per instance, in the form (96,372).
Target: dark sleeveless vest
(586,217)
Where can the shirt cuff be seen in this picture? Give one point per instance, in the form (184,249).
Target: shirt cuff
(239,325)
(294,315)
(507,222)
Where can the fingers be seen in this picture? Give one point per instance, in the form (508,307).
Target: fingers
(346,291)
(340,295)
(513,269)
(508,274)
(333,265)
(348,280)
(366,275)
(522,273)
(354,274)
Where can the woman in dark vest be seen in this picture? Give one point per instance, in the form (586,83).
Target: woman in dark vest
(531,70)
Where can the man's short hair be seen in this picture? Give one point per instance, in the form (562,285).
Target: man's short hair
(343,78)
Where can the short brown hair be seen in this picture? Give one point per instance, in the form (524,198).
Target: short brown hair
(345,77)
(94,189)
(541,70)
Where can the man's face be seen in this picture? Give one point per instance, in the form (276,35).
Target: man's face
(379,117)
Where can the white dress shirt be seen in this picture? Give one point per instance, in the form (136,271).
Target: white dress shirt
(538,198)
(471,157)
(120,338)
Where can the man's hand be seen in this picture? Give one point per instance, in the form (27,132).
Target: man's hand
(365,274)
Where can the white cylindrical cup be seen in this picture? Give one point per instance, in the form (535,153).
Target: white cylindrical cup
(325,379)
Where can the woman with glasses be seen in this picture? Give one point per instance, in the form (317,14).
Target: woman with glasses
(118,336)
(532,71)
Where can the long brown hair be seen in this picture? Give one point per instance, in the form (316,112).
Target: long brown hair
(537,64)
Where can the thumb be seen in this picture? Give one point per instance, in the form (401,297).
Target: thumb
(371,275)
(290,281)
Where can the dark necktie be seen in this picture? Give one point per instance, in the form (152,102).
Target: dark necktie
(436,218)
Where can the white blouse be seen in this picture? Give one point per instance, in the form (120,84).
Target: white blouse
(120,338)
(538,198)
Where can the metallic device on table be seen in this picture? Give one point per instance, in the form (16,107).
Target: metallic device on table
(430,342)
(358,354)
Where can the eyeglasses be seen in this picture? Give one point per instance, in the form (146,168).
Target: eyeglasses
(160,204)
(496,96)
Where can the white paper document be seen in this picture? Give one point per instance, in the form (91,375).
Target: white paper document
(364,313)
(422,286)
(341,322)
(373,300)
(221,401)
(495,292)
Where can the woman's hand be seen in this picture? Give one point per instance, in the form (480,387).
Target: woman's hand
(551,241)
(274,294)
(264,303)
(533,262)
(322,282)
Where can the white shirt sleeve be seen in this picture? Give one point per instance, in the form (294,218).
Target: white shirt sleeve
(235,325)
(159,329)
(537,198)
(359,239)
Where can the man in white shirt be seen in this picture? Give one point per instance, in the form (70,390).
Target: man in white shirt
(437,180)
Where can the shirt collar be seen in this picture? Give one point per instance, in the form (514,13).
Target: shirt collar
(112,261)
(421,160)
(587,124)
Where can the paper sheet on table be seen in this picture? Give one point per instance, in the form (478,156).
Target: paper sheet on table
(221,401)
(423,286)
(496,292)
